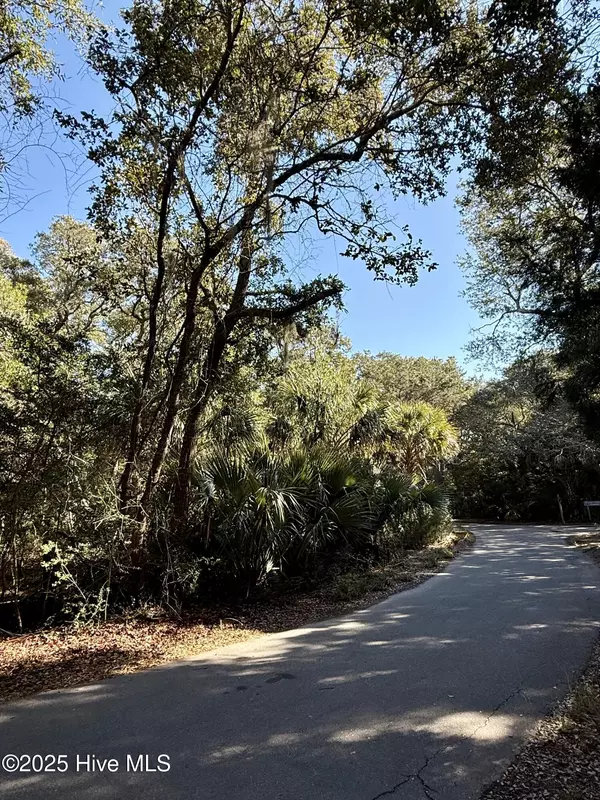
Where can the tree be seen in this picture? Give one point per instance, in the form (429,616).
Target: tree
(534,269)
(59,407)
(523,452)
(314,394)
(241,124)
(27,61)
(421,438)
(416,439)
(403,379)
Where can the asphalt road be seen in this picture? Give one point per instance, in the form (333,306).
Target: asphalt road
(426,695)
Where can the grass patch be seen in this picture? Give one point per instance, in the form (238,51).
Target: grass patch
(411,568)
(582,713)
(354,585)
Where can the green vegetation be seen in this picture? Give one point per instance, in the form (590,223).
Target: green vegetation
(525,453)
(179,417)
(29,31)
(298,462)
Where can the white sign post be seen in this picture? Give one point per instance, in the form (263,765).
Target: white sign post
(591,504)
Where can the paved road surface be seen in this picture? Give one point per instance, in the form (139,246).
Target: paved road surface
(426,695)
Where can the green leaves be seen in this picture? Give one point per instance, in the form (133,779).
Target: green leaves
(26,33)
(522,446)
(395,265)
(282,511)
(29,32)
(287,509)
(403,379)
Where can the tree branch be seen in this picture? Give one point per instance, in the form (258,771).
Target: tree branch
(289,311)
(14,53)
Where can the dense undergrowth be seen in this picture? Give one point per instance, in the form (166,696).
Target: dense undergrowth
(59,657)
(180,418)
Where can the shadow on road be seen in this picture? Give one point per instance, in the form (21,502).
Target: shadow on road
(425,695)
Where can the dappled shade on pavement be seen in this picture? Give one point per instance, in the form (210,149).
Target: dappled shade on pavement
(427,694)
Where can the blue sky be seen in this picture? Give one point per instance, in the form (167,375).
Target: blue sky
(429,319)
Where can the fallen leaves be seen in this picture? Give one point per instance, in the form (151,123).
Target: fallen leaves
(72,656)
(590,542)
(563,761)
(60,658)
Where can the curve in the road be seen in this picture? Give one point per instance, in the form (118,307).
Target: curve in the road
(428,694)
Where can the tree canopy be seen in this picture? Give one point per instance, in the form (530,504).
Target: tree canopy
(28,33)
(179,415)
(435,381)
(533,268)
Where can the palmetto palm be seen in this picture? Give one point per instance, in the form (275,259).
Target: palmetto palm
(421,437)
(415,438)
(270,510)
(273,511)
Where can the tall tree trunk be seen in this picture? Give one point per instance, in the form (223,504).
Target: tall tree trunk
(168,186)
(136,418)
(204,388)
(208,378)
(176,384)
(209,374)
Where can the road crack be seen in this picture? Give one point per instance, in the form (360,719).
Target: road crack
(417,776)
(429,791)
(426,788)
(501,704)
(394,789)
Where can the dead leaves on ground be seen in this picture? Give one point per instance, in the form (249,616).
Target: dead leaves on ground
(67,657)
(563,760)
(60,658)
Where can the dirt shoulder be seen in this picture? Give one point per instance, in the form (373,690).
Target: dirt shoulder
(562,762)
(65,657)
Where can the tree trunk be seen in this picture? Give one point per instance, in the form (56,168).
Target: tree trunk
(136,419)
(206,383)
(208,378)
(174,389)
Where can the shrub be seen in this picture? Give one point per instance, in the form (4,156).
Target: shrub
(262,512)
